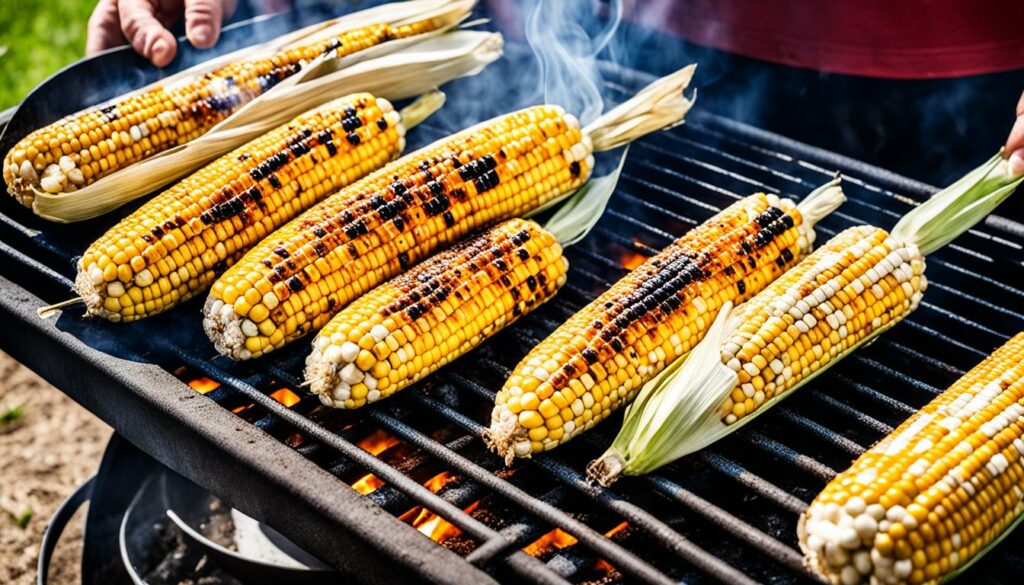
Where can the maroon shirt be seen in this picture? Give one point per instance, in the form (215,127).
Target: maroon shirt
(908,39)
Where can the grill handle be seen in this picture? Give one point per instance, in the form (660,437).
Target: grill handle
(55,529)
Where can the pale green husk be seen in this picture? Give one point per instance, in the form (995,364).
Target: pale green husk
(956,209)
(574,219)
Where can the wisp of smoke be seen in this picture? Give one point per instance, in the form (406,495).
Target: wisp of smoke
(567,52)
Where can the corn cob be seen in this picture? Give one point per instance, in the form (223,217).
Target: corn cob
(862,282)
(176,244)
(79,149)
(597,361)
(296,279)
(933,496)
(417,322)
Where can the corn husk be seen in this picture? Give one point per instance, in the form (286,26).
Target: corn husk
(394,70)
(679,413)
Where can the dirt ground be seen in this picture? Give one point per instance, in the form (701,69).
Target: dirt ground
(45,452)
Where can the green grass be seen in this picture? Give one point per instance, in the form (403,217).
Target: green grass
(37,39)
(11,415)
(21,520)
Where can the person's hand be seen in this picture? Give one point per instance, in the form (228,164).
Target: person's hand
(144,25)
(1015,142)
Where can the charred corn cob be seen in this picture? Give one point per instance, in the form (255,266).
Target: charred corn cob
(597,361)
(859,284)
(176,244)
(934,495)
(79,149)
(417,322)
(294,281)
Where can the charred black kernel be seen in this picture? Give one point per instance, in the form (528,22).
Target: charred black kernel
(382,123)
(274,181)
(149,238)
(415,311)
(459,194)
(516,311)
(456,163)
(356,229)
(349,111)
(325,135)
(331,303)
(267,263)
(449,219)
(523,254)
(244,157)
(281,252)
(469,170)
(350,124)
(787,220)
(741,287)
(542,278)
(515,291)
(290,264)
(437,205)
(109,112)
(353,138)
(435,187)
(531,283)
(590,355)
(501,264)
(728,271)
(745,247)
(752,262)
(295,284)
(487,181)
(403,260)
(787,255)
(399,223)
(574,168)
(617,344)
(220,266)
(398,188)
(320,232)
(768,216)
(597,324)
(608,304)
(332,150)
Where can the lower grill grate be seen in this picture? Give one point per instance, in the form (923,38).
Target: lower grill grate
(727,513)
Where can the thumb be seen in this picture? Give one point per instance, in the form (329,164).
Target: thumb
(145,33)
(203,20)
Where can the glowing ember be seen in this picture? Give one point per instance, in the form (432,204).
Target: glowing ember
(616,530)
(437,482)
(286,397)
(557,538)
(630,259)
(367,484)
(377,443)
(203,385)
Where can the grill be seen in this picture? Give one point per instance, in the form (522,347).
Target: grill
(251,434)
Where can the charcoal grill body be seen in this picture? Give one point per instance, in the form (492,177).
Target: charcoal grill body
(728,513)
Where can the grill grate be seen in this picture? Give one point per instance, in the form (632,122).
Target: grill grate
(727,513)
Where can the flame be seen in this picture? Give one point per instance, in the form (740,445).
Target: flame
(203,385)
(285,397)
(557,538)
(440,480)
(377,443)
(631,259)
(367,484)
(603,565)
(616,530)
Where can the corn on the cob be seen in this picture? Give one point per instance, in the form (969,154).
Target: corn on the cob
(79,149)
(417,322)
(934,495)
(296,279)
(176,244)
(859,284)
(597,361)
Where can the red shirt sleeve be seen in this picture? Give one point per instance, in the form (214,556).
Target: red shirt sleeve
(910,39)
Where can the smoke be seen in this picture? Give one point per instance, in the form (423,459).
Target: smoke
(567,48)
